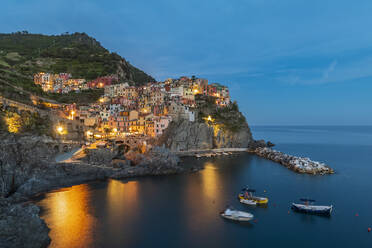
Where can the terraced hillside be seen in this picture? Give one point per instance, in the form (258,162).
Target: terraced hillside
(23,54)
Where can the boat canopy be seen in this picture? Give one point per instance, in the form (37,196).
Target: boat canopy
(249,190)
(307,200)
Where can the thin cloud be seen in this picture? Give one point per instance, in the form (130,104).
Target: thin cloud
(330,69)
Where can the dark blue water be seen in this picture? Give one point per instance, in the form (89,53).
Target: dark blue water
(183,210)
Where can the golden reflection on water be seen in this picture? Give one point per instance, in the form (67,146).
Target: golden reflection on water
(122,210)
(210,182)
(69,218)
(122,198)
(204,198)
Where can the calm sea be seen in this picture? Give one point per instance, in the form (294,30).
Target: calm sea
(183,210)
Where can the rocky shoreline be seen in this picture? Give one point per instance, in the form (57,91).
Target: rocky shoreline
(297,164)
(27,168)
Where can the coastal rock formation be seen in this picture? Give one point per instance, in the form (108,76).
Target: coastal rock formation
(298,164)
(229,139)
(215,126)
(21,157)
(184,135)
(98,156)
(20,226)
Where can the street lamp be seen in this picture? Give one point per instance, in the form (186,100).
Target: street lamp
(60,129)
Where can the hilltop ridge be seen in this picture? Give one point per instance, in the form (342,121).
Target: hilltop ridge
(23,54)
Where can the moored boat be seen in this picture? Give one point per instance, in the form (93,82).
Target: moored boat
(309,208)
(232,214)
(247,194)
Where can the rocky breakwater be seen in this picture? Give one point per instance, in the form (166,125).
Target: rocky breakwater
(298,164)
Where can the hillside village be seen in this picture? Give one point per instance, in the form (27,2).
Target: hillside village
(124,110)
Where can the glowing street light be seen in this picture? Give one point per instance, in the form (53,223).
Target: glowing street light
(60,129)
(72,113)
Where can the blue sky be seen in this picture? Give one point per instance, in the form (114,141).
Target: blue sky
(287,62)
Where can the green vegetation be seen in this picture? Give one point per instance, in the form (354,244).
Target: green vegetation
(87,96)
(10,92)
(22,122)
(23,54)
(227,118)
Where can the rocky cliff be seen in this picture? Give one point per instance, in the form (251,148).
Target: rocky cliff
(184,135)
(22,157)
(215,127)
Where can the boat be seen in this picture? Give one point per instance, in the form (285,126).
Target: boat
(225,153)
(308,207)
(247,194)
(198,155)
(232,214)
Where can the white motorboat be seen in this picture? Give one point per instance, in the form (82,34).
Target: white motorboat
(248,202)
(308,208)
(233,214)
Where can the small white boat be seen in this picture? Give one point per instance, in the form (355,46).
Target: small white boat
(248,202)
(232,214)
(198,156)
(225,153)
(308,208)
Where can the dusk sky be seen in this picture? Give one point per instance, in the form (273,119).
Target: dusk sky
(287,62)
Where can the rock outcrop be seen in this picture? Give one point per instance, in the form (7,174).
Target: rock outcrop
(184,135)
(28,167)
(214,127)
(229,139)
(21,157)
(20,226)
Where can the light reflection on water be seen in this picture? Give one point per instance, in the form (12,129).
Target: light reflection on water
(122,208)
(210,182)
(70,213)
(69,217)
